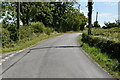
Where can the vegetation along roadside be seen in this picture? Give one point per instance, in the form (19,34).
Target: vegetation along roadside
(103,50)
(29,35)
(38,20)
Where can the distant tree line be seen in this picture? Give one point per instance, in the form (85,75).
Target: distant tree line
(106,24)
(111,24)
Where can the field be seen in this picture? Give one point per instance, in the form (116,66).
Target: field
(110,34)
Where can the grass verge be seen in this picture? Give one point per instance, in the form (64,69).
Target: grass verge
(25,44)
(102,59)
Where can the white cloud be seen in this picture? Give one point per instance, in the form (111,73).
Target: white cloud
(104,15)
(107,15)
(81,10)
(111,3)
(101,15)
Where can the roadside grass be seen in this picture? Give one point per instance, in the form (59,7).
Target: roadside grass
(25,44)
(108,64)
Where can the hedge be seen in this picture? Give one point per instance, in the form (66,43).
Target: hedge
(112,48)
(27,32)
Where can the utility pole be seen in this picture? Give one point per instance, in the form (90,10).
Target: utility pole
(18,20)
(96,16)
(96,22)
(119,13)
(90,3)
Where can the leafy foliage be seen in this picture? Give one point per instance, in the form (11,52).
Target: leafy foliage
(96,24)
(41,17)
(5,37)
(49,30)
(111,25)
(110,47)
(111,65)
(26,32)
(51,14)
(38,27)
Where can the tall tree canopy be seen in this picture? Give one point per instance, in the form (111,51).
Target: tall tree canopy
(61,16)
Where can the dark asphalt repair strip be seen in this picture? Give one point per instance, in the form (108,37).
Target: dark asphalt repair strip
(55,47)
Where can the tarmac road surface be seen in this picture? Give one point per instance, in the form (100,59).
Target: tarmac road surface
(57,57)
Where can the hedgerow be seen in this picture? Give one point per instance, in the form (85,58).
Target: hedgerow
(26,33)
(112,48)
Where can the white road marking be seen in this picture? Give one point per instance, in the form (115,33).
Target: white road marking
(11,55)
(0,64)
(3,60)
(6,58)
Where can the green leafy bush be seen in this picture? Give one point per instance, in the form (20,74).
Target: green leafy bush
(13,32)
(6,41)
(49,30)
(38,27)
(26,32)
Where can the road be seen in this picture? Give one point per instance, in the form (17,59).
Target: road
(57,57)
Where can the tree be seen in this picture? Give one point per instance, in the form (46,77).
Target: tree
(66,17)
(84,22)
(96,24)
(62,16)
(110,25)
(9,13)
(59,16)
(18,20)
(59,10)
(41,11)
(90,3)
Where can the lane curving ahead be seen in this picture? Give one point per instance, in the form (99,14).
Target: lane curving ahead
(57,57)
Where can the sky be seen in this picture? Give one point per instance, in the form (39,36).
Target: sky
(107,11)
